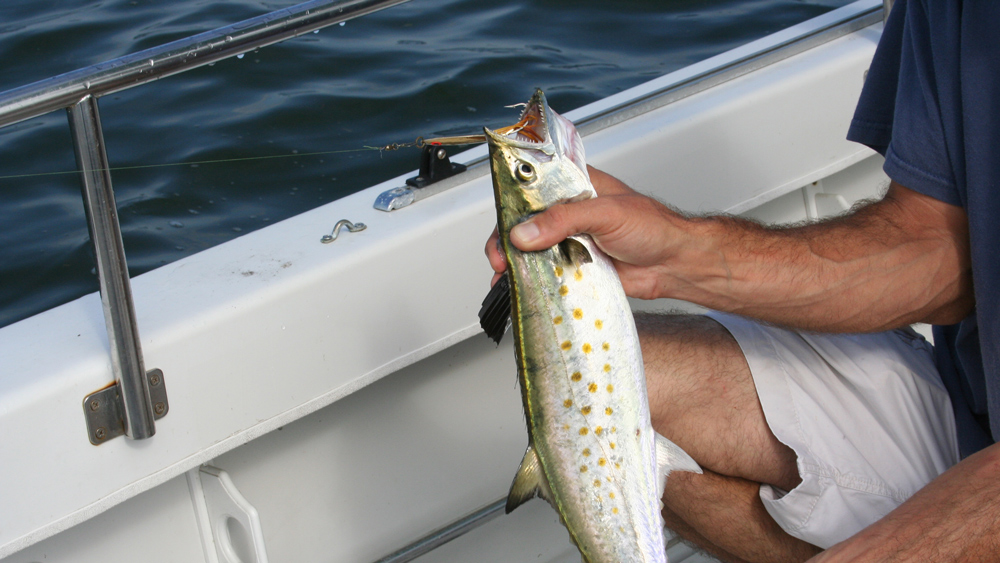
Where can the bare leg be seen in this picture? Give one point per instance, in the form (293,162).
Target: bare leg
(703,398)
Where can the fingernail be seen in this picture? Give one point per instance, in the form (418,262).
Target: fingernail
(525,232)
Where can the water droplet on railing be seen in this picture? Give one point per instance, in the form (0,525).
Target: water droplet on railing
(342,24)
(176,224)
(240,56)
(317,31)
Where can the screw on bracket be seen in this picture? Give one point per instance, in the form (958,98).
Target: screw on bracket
(102,409)
(351,227)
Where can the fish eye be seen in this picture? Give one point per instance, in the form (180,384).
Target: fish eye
(524,172)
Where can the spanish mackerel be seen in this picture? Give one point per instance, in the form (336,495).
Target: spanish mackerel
(592,452)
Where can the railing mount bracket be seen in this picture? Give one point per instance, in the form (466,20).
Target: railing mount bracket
(103,409)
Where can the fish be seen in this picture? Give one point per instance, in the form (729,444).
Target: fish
(592,451)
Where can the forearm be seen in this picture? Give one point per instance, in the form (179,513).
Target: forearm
(897,261)
(891,263)
(955,518)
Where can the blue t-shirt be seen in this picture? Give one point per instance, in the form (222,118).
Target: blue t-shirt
(931,106)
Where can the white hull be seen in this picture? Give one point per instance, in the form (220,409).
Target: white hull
(345,387)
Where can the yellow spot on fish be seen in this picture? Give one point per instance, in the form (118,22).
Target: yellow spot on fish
(599,324)
(587,348)
(578,275)
(563,290)
(566,345)
(597,482)
(611,495)
(607,368)
(565,426)
(612,444)
(586,452)
(577,314)
(611,388)
(618,465)
(583,431)
(614,430)
(557,320)
(598,431)
(605,346)
(559,271)
(614,510)
(592,388)
(602,462)
(568,403)
(608,411)
(585,411)
(576,376)
(583,469)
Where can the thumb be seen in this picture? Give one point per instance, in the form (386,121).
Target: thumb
(523,235)
(552,226)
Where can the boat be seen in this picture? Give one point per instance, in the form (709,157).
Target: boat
(288,397)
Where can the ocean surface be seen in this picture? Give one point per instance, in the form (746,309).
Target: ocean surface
(425,68)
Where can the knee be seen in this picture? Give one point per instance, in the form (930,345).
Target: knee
(685,356)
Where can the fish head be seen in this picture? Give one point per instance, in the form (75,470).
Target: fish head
(536,163)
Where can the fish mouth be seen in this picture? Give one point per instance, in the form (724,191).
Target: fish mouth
(531,130)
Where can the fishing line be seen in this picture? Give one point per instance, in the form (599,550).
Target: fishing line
(419,143)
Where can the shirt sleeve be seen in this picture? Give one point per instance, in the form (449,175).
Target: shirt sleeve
(910,109)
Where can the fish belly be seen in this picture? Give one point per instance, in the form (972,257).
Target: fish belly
(585,401)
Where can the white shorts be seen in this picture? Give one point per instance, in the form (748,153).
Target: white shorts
(866,414)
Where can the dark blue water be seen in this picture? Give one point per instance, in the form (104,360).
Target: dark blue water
(429,67)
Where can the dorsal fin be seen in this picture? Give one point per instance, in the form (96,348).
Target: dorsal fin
(529,481)
(670,457)
(494,316)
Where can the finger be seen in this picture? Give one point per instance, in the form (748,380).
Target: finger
(555,224)
(493,253)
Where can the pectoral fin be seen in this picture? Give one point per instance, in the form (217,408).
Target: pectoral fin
(529,482)
(494,316)
(575,252)
(670,457)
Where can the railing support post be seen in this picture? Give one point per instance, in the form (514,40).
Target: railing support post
(112,272)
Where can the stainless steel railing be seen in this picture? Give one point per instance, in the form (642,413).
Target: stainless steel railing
(78,92)
(886,7)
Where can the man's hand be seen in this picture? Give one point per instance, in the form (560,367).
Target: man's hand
(888,264)
(636,231)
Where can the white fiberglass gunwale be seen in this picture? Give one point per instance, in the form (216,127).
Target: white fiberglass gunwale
(265,329)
